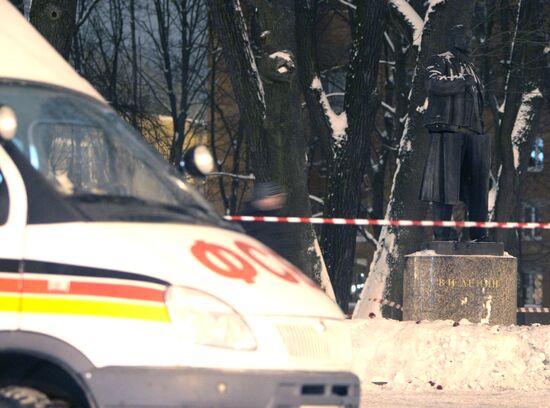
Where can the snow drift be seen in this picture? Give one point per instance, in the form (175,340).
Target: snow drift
(409,356)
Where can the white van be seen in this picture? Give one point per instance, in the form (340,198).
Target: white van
(119,285)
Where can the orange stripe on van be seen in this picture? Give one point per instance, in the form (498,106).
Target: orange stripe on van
(74,297)
(123,291)
(10,285)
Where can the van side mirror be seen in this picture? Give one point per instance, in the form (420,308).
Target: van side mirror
(8,123)
(197,161)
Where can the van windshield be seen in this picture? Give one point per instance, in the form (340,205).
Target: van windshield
(97,162)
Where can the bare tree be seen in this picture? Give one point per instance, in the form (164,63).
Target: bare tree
(346,136)
(178,35)
(127,64)
(525,67)
(135,65)
(226,136)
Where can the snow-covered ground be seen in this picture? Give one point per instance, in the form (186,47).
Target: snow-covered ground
(456,399)
(439,364)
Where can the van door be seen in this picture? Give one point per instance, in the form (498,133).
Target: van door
(13,216)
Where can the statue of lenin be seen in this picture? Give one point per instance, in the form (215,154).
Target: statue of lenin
(458,162)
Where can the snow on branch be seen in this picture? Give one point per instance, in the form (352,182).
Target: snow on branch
(389,108)
(368,236)
(411,17)
(347,3)
(493,193)
(432,4)
(338,122)
(389,41)
(281,54)
(523,122)
(326,284)
(316,199)
(252,61)
(235,176)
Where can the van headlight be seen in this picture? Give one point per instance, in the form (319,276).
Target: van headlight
(203,319)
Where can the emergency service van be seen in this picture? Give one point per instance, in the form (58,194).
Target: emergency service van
(119,285)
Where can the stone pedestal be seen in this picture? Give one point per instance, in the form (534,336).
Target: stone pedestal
(455,280)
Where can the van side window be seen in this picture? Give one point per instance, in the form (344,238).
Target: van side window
(4,200)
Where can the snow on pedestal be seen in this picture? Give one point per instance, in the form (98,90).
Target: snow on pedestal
(461,280)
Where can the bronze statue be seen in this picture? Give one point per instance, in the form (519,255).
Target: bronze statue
(458,162)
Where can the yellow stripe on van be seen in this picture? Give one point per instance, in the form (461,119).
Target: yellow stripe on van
(9,303)
(36,304)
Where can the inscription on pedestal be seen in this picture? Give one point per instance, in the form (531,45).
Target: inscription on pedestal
(474,287)
(469,283)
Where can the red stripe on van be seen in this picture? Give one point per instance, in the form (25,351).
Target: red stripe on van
(9,285)
(43,286)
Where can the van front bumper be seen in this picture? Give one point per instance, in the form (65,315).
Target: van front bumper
(192,388)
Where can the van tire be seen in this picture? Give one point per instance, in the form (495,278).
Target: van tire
(23,397)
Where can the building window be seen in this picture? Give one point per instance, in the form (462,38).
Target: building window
(536,160)
(530,214)
(533,286)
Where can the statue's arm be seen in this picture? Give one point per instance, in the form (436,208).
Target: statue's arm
(440,84)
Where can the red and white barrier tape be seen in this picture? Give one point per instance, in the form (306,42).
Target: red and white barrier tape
(533,309)
(405,223)
(386,303)
(395,305)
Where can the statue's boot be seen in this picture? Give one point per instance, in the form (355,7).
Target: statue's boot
(442,212)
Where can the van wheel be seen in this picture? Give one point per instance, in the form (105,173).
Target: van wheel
(23,397)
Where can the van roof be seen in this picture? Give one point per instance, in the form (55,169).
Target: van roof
(27,56)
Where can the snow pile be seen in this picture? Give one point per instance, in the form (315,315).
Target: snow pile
(409,356)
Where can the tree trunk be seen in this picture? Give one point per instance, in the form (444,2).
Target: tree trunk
(117,22)
(546,80)
(135,108)
(347,153)
(385,279)
(308,72)
(232,32)
(56,21)
(184,11)
(523,134)
(525,50)
(269,99)
(162,12)
(352,153)
(285,130)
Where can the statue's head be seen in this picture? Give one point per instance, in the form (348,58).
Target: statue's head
(460,37)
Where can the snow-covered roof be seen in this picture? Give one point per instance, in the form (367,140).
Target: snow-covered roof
(26,55)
